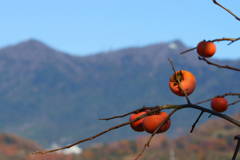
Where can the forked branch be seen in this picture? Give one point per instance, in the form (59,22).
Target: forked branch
(149,108)
(153,110)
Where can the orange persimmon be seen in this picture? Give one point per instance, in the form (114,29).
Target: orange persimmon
(137,125)
(206,49)
(187,82)
(219,104)
(152,122)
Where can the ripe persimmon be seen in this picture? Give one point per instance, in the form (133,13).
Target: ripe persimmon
(137,125)
(206,49)
(219,104)
(152,122)
(187,82)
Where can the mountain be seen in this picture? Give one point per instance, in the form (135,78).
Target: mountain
(54,97)
(17,148)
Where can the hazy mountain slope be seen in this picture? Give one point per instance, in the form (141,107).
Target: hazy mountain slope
(210,141)
(213,140)
(17,148)
(50,96)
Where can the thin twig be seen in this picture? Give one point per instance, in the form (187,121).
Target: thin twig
(210,115)
(126,114)
(188,50)
(222,95)
(229,11)
(233,103)
(232,40)
(230,104)
(82,140)
(221,115)
(195,123)
(219,66)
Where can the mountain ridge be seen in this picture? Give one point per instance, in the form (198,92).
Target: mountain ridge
(50,95)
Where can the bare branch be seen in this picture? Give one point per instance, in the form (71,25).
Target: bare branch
(230,104)
(195,123)
(237,147)
(150,108)
(233,103)
(217,65)
(224,116)
(188,50)
(231,40)
(222,95)
(126,114)
(229,11)
(83,140)
(153,110)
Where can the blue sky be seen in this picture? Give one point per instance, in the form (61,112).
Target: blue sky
(89,26)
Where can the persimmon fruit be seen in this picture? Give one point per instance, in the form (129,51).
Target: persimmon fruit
(219,104)
(206,49)
(187,82)
(137,125)
(152,122)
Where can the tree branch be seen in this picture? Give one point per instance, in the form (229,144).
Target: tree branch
(233,103)
(237,147)
(217,65)
(195,123)
(222,95)
(232,40)
(150,108)
(229,11)
(153,110)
